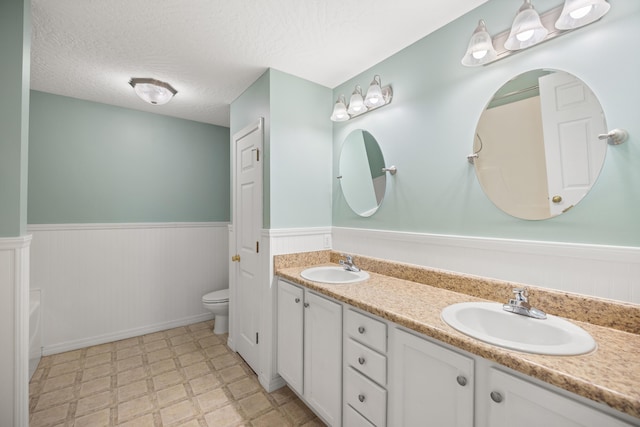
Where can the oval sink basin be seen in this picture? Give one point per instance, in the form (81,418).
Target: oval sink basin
(335,275)
(488,322)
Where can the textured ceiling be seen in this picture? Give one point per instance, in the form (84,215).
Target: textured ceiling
(212,50)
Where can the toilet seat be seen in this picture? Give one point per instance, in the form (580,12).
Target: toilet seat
(216,297)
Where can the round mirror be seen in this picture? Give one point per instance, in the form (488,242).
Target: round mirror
(537,146)
(361,177)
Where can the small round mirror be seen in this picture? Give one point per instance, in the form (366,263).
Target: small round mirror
(537,146)
(362,180)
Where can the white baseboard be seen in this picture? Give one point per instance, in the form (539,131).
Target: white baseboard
(271,384)
(121,335)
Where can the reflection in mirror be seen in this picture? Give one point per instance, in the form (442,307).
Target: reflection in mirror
(537,146)
(362,180)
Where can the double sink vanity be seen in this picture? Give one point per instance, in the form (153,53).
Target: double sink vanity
(393,344)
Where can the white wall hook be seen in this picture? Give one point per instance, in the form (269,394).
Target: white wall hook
(615,137)
(391,169)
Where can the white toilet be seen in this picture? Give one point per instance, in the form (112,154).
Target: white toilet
(217,302)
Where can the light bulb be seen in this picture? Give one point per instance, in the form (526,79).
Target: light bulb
(581,13)
(524,35)
(479,54)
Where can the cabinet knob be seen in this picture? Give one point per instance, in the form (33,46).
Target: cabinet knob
(306,304)
(361,397)
(461,380)
(361,329)
(297,300)
(496,396)
(361,360)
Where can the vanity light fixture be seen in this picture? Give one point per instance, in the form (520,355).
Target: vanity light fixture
(530,28)
(377,96)
(153,91)
(527,29)
(480,50)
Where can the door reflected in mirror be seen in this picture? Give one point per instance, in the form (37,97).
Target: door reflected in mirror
(537,146)
(362,180)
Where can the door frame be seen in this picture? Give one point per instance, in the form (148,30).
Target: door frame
(234,267)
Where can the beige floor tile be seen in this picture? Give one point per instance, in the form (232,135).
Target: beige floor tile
(177,412)
(191,358)
(204,383)
(97,372)
(126,353)
(223,417)
(270,419)
(185,348)
(134,408)
(163,366)
(171,395)
(297,411)
(130,342)
(217,350)
(212,399)
(49,416)
(97,359)
(153,337)
(314,423)
(224,361)
(144,421)
(201,325)
(181,339)
(243,387)
(89,404)
(158,355)
(64,368)
(100,418)
(94,386)
(283,395)
(254,404)
(99,349)
(196,370)
(66,357)
(129,363)
(192,423)
(132,375)
(200,333)
(55,398)
(232,373)
(132,390)
(176,331)
(209,341)
(155,345)
(59,382)
(167,379)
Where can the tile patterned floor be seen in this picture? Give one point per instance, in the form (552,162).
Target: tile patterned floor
(185,376)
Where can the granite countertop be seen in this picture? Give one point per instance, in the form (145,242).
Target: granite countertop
(609,375)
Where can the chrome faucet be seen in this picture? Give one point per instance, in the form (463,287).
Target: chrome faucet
(520,305)
(348,263)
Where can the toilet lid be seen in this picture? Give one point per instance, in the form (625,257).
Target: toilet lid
(217,296)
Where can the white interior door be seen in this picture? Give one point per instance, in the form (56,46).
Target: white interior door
(248,224)
(572,120)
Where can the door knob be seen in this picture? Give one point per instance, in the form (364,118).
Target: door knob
(235,258)
(556,199)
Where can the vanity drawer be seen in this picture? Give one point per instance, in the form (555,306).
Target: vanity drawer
(366,330)
(353,419)
(367,361)
(366,397)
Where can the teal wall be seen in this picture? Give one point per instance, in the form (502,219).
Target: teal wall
(427,131)
(297,172)
(300,153)
(15,44)
(95,163)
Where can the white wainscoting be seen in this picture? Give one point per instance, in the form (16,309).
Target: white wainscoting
(14,331)
(604,271)
(105,282)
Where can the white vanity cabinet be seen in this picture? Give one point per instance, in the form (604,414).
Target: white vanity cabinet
(429,385)
(510,401)
(309,347)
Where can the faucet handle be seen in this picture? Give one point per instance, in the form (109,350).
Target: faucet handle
(521,294)
(348,257)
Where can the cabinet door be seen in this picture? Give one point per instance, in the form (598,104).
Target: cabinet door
(323,357)
(513,401)
(290,334)
(429,385)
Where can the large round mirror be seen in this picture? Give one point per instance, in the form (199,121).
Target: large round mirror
(361,177)
(537,146)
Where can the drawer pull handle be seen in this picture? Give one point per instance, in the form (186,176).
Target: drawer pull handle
(496,397)
(361,329)
(461,380)
(361,360)
(306,304)
(361,397)
(297,300)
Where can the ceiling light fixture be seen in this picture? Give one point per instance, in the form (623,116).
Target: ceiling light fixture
(529,29)
(153,91)
(377,96)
